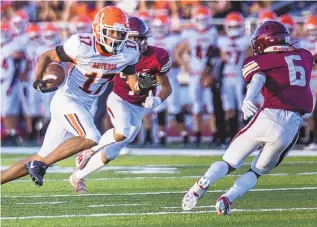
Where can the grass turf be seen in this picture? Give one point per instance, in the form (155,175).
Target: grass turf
(122,198)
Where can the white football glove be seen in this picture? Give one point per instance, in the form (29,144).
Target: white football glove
(248,109)
(152,101)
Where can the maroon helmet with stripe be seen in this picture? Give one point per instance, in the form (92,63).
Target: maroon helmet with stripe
(271,36)
(140,31)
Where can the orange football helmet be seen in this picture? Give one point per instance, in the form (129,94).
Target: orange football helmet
(266,15)
(202,17)
(34,31)
(160,26)
(289,22)
(5,34)
(83,24)
(111,24)
(20,21)
(310,26)
(234,24)
(51,34)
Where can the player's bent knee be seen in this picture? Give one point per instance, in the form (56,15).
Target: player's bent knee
(119,137)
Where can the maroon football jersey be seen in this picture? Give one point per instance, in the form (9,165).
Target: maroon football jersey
(287,79)
(154,61)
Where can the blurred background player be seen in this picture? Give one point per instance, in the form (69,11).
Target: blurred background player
(161,37)
(196,42)
(233,47)
(266,15)
(9,93)
(31,99)
(82,24)
(310,44)
(19,22)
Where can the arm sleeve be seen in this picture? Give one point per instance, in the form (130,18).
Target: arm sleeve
(255,86)
(129,70)
(62,55)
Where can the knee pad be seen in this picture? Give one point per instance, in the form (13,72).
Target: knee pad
(161,117)
(179,117)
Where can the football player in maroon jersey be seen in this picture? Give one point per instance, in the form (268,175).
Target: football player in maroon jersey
(125,107)
(282,74)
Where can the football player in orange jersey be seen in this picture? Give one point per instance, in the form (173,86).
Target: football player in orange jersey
(96,57)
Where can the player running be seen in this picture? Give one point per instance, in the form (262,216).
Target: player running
(96,57)
(284,83)
(125,107)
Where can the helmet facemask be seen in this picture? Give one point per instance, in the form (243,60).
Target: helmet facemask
(202,22)
(234,30)
(19,25)
(104,33)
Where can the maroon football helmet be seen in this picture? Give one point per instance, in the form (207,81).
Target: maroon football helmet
(271,36)
(139,32)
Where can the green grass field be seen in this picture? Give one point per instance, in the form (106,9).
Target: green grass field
(147,191)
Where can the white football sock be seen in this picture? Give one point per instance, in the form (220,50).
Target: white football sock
(106,139)
(216,171)
(94,163)
(242,185)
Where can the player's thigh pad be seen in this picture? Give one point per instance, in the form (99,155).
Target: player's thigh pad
(54,136)
(75,118)
(195,94)
(245,142)
(124,115)
(279,137)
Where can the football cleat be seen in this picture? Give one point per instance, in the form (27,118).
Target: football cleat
(223,206)
(195,193)
(83,158)
(78,184)
(37,170)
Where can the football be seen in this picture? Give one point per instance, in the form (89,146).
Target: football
(54,75)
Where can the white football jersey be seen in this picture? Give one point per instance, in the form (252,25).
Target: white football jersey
(168,43)
(92,71)
(7,64)
(199,43)
(234,53)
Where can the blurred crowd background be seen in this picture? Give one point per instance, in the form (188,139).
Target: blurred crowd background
(59,19)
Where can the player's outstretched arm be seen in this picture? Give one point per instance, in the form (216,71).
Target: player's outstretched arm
(166,87)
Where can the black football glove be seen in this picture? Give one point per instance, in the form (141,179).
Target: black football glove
(147,81)
(41,85)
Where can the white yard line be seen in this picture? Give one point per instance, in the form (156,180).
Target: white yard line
(39,203)
(158,151)
(118,205)
(162,177)
(152,213)
(148,193)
